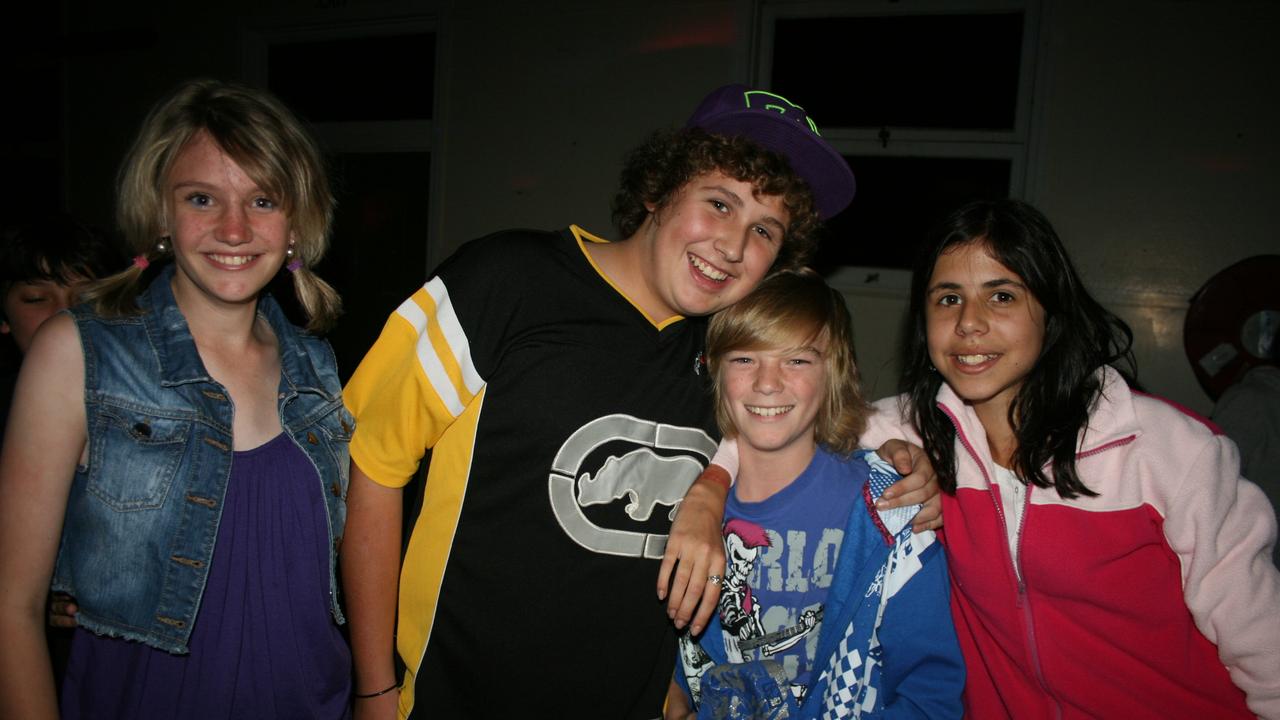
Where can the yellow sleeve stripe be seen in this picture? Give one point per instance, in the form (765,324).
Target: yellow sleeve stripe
(583,237)
(443,351)
(431,544)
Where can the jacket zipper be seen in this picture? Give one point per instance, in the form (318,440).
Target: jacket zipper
(1023,600)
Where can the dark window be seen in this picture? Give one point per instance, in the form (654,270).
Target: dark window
(906,71)
(899,200)
(378,256)
(369,98)
(931,109)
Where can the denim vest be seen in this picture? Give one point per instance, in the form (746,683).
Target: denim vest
(143,513)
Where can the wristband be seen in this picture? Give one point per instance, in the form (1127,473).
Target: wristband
(359,696)
(716,475)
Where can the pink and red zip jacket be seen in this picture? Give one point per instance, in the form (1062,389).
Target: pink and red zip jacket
(1155,599)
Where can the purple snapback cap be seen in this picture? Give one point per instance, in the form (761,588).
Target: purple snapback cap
(780,125)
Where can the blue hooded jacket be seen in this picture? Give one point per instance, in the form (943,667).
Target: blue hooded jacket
(887,647)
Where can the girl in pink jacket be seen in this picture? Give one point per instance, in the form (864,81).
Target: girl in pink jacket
(1107,559)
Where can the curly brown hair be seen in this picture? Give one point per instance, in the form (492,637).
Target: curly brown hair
(667,160)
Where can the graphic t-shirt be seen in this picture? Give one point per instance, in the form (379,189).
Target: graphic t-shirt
(564,427)
(780,554)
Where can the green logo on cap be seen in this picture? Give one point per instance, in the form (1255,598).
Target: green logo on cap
(782,107)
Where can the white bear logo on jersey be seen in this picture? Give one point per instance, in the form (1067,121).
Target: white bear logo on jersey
(644,477)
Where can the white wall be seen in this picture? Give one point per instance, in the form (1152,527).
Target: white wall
(1161,159)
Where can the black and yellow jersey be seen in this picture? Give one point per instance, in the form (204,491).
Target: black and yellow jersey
(564,426)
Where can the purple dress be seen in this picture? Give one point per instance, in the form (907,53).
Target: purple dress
(264,644)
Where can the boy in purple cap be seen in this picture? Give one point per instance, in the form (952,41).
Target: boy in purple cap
(558,380)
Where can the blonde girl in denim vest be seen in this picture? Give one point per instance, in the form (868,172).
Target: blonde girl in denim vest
(176,456)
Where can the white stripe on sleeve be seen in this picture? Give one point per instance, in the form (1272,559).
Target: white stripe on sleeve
(454,337)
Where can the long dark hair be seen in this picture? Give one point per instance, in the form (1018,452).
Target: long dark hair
(1053,403)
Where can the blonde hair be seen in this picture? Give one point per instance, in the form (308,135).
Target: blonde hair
(267,141)
(792,309)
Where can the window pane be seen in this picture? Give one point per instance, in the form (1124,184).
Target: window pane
(356,79)
(899,201)
(915,71)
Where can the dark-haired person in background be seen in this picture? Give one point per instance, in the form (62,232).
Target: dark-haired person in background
(44,261)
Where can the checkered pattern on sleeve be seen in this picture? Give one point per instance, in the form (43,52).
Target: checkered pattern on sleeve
(844,686)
